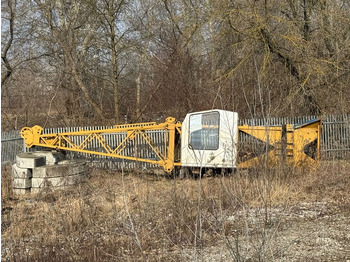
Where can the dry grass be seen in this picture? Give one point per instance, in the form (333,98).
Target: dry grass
(131,217)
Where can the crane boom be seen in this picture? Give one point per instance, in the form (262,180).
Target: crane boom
(164,157)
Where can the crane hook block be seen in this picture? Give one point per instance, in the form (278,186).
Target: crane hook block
(31,135)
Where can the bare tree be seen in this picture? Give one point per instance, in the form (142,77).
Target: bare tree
(146,23)
(4,54)
(284,40)
(109,13)
(102,59)
(71,28)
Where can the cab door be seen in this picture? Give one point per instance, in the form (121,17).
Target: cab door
(209,139)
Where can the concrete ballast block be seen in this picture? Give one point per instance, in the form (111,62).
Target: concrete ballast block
(30,174)
(21,191)
(22,183)
(29,160)
(58,171)
(53,182)
(18,172)
(52,157)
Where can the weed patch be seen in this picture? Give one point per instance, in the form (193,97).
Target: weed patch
(132,217)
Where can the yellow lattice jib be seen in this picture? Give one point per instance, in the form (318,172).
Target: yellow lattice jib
(64,141)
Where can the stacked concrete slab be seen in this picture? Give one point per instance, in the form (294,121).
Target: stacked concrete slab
(45,171)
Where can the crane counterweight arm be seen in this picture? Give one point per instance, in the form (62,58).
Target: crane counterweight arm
(136,138)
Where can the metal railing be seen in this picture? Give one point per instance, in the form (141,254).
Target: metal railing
(335,142)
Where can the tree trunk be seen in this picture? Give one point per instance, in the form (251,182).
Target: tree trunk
(115,80)
(81,84)
(7,74)
(113,43)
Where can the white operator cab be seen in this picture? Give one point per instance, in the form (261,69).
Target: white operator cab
(209,139)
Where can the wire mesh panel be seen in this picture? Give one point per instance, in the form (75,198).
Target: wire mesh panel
(11,145)
(336,137)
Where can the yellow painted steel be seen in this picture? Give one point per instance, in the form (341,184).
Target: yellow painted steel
(287,144)
(284,144)
(34,137)
(271,136)
(303,136)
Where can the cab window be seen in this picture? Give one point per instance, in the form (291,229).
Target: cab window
(204,131)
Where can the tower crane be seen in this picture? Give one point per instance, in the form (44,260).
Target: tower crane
(208,139)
